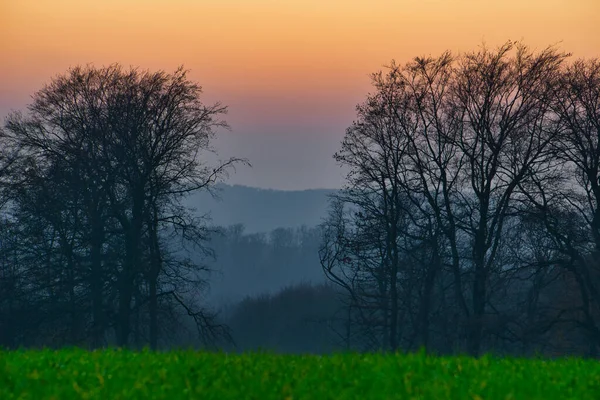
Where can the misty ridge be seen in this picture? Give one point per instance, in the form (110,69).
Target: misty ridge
(263,210)
(469,221)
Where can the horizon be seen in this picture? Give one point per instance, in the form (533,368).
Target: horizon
(277,190)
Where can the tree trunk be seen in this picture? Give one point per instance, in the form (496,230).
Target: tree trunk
(155,267)
(125,296)
(96,284)
(133,235)
(126,282)
(479,296)
(393,253)
(394,310)
(426,299)
(153,315)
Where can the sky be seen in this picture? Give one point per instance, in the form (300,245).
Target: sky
(290,71)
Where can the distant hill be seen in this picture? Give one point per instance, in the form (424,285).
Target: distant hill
(262,210)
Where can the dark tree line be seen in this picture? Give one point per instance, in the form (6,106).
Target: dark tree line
(469,222)
(302,318)
(94,236)
(470,217)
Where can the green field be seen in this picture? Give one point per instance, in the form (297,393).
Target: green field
(115,374)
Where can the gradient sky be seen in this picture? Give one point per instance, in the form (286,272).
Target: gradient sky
(291,71)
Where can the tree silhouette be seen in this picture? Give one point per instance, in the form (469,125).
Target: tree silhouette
(126,147)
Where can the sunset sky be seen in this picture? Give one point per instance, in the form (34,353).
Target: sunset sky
(290,71)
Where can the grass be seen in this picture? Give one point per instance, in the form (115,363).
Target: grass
(119,374)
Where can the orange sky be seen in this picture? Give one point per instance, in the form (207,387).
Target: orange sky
(287,68)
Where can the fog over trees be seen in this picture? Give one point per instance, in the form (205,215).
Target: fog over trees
(469,221)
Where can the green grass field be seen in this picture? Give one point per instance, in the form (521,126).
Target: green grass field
(115,374)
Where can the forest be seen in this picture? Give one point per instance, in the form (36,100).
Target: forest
(469,220)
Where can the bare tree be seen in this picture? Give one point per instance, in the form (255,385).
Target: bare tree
(576,102)
(132,144)
(375,151)
(506,127)
(455,139)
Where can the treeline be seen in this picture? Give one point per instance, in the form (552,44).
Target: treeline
(470,219)
(300,318)
(94,241)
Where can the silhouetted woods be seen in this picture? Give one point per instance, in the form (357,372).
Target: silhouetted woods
(93,177)
(470,220)
(302,318)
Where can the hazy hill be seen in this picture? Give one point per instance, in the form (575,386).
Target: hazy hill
(262,210)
